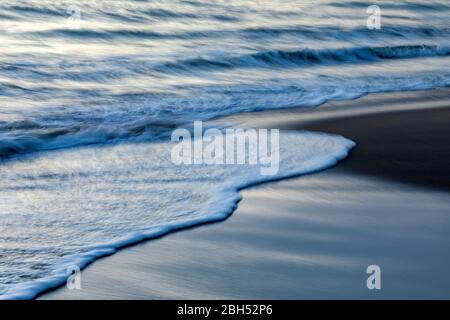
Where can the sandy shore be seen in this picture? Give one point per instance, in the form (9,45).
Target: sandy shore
(314,236)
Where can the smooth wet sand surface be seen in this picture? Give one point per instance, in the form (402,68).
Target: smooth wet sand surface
(314,236)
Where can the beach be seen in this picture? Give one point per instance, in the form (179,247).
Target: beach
(313,236)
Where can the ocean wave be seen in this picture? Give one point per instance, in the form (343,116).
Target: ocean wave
(27,136)
(340,33)
(120,67)
(36,10)
(159,115)
(301,31)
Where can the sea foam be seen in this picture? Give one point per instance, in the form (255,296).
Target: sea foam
(70,207)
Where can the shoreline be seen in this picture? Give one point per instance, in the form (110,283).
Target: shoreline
(97,284)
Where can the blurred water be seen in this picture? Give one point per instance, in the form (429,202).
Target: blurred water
(127,72)
(133,68)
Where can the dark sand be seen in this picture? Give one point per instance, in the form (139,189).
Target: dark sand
(314,236)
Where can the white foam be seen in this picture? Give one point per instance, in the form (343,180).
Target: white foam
(71,207)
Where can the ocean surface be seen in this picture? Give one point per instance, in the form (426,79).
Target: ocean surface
(91,90)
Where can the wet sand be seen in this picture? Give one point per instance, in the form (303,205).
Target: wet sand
(312,237)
